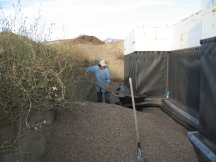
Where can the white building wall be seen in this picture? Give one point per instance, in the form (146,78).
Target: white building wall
(208,18)
(129,43)
(206,4)
(185,34)
(153,38)
(148,38)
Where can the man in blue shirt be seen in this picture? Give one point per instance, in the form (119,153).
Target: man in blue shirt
(102,76)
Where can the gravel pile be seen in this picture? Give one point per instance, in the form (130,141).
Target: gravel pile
(92,132)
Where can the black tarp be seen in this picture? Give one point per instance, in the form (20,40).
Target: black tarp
(189,75)
(148,72)
(155,72)
(207,90)
(184,79)
(151,71)
(130,70)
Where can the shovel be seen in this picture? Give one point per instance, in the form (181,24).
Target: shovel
(139,152)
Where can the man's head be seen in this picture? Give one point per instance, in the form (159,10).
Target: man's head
(102,63)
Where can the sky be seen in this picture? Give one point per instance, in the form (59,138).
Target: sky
(101,18)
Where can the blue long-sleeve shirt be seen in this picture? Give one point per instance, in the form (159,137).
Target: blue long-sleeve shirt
(102,77)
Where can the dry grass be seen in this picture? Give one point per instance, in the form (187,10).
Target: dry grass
(111,52)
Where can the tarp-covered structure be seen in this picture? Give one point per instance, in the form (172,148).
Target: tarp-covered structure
(177,65)
(185,81)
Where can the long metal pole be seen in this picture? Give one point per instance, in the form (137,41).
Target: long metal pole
(167,78)
(139,156)
(134,110)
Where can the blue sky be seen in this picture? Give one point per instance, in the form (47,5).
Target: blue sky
(102,18)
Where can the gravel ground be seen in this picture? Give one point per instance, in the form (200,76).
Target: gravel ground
(92,132)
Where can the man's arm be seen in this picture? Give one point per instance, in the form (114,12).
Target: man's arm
(91,69)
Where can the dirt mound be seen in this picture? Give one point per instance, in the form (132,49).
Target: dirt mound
(10,35)
(92,49)
(81,40)
(85,39)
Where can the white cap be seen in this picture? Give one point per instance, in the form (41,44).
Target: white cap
(102,63)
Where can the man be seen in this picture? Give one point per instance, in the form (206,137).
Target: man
(102,76)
